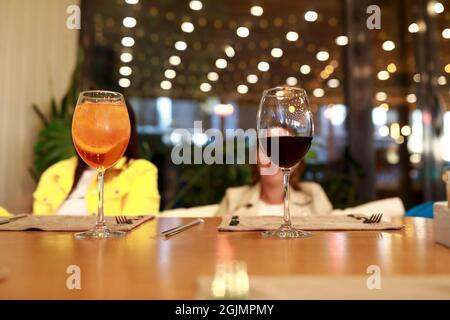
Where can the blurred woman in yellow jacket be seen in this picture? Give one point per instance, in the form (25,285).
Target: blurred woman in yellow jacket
(130,189)
(69,187)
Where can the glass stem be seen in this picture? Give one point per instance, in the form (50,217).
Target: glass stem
(286,215)
(100,223)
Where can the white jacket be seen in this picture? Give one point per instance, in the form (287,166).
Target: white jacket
(309,200)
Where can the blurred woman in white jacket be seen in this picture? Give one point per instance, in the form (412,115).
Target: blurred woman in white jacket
(265,195)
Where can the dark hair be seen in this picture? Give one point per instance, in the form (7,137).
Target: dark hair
(132,151)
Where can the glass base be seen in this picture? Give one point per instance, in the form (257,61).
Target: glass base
(99,233)
(286,232)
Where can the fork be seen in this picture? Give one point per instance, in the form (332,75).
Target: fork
(123,220)
(374,218)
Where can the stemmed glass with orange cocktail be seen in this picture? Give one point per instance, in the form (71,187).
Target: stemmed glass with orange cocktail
(100,133)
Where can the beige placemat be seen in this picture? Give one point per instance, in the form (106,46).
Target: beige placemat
(340,287)
(69,223)
(253,223)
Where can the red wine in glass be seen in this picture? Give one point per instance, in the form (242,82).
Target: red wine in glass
(291,149)
(285,131)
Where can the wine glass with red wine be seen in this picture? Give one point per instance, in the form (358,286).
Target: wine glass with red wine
(285,131)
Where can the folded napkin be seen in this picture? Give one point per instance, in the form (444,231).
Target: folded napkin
(339,287)
(69,223)
(252,223)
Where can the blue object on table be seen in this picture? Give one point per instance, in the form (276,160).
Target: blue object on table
(424,210)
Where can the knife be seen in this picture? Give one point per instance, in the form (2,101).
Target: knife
(171,232)
(8,220)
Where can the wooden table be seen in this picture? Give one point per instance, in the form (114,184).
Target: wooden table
(143,266)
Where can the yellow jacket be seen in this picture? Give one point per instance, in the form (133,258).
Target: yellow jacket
(130,188)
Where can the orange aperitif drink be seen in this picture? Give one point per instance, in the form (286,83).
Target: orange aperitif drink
(101,132)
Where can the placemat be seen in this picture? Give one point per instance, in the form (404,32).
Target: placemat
(254,223)
(69,223)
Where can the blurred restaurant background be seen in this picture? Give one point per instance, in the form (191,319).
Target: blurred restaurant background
(380,95)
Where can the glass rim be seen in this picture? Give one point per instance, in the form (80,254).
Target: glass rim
(296,91)
(108,94)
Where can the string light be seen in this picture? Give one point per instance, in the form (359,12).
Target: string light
(342,40)
(413,28)
(305,69)
(447,68)
(127,41)
(252,78)
(263,66)
(243,32)
(256,11)
(311,16)
(318,92)
(276,53)
(187,27)
(388,45)
(126,57)
(406,130)
(223,109)
(124,82)
(221,63)
(446,33)
(383,131)
(175,60)
(125,71)
(333,83)
(411,98)
(229,51)
(442,80)
(381,96)
(166,85)
(383,75)
(322,55)
(292,36)
(391,67)
(129,22)
(205,87)
(180,45)
(291,81)
(170,74)
(196,5)
(213,76)
(242,89)
(438,7)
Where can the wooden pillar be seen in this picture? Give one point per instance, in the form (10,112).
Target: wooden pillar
(359,95)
